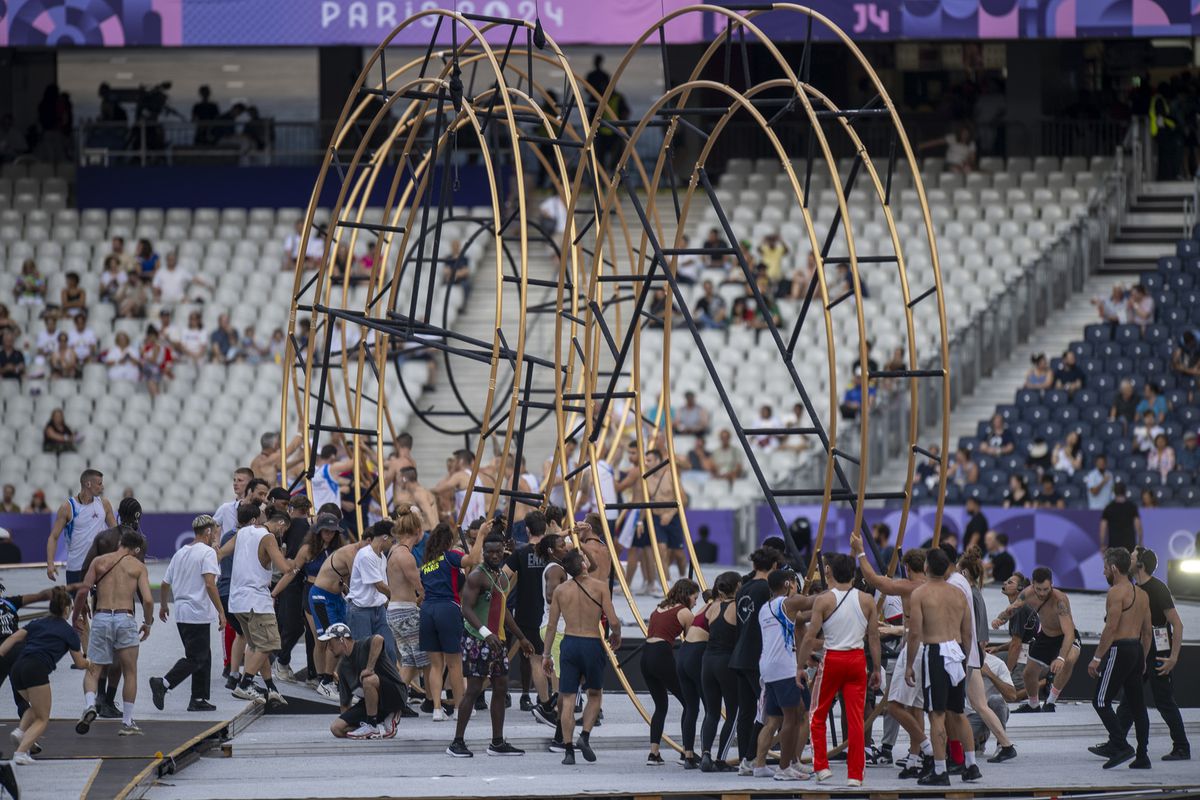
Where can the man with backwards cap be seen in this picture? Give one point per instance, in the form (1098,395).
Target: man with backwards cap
(191,579)
(364,671)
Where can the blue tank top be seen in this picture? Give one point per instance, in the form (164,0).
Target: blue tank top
(314,565)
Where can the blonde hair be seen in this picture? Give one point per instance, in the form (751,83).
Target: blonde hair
(406,523)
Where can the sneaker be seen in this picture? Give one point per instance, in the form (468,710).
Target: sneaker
(1141,762)
(201,705)
(971,774)
(545,715)
(16,737)
(557,746)
(387,727)
(934,779)
(883,758)
(22,759)
(823,775)
(328,689)
(508,700)
(1120,756)
(275,699)
(654,760)
(225,672)
(706,763)
(1003,754)
(458,749)
(526,703)
(584,745)
(1025,708)
(745,768)
(250,693)
(956,769)
(158,692)
(504,749)
(283,672)
(85,722)
(107,710)
(231,682)
(426,706)
(765,772)
(568,758)
(690,762)
(365,730)
(1178,754)
(792,773)
(1104,750)
(1048,708)
(853,783)
(131,729)
(440,715)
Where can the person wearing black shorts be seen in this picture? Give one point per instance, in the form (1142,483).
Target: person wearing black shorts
(527,602)
(364,672)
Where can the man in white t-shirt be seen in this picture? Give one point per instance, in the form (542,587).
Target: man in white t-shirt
(171,283)
(367,599)
(83,339)
(191,579)
(47,337)
(1000,692)
(193,340)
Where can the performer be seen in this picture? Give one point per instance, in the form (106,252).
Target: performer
(751,597)
(1054,648)
(404,583)
(716,678)
(364,667)
(670,619)
(785,699)
(79,519)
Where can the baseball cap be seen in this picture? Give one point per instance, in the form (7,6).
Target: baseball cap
(279,493)
(203,521)
(326,521)
(338,630)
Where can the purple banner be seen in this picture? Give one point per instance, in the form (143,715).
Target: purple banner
(218,23)
(1066,541)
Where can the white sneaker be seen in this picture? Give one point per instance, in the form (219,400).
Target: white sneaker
(440,715)
(793,773)
(329,690)
(283,672)
(824,775)
(806,755)
(275,699)
(365,730)
(22,759)
(745,768)
(853,783)
(16,737)
(765,772)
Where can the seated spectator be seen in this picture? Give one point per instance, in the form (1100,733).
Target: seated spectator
(714,240)
(1000,691)
(896,363)
(314,251)
(156,361)
(929,471)
(1148,498)
(736,275)
(1153,401)
(122,360)
(83,340)
(1140,306)
(57,436)
(47,337)
(1017,495)
(999,440)
(1145,433)
(253,351)
(1114,309)
(223,343)
(1161,457)
(1188,457)
(691,418)
(688,266)
(659,303)
(766,419)
(698,457)
(771,252)
(1037,454)
(710,309)
(1100,484)
(456,270)
(12,360)
(8,503)
(726,460)
(872,364)
(758,321)
(1124,405)
(963,469)
(1068,454)
(852,400)
(1069,377)
(125,260)
(1049,496)
(802,278)
(37,503)
(63,361)
(73,296)
(192,343)
(171,283)
(112,279)
(146,259)
(1039,375)
(1000,562)
(1185,359)
(7,323)
(30,288)
(844,283)
(960,149)
(132,298)
(277,347)
(795,442)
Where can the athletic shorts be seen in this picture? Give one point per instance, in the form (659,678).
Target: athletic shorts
(74,576)
(670,534)
(641,536)
(555,652)
(261,631)
(29,673)
(534,634)
(326,608)
(899,691)
(581,661)
(779,695)
(1044,649)
(481,660)
(441,627)
(110,633)
(391,700)
(405,623)
(230,619)
(940,693)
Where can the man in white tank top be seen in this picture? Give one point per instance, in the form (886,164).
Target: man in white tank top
(784,702)
(80,518)
(847,617)
(326,485)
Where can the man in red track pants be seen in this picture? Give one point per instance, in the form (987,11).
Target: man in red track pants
(847,616)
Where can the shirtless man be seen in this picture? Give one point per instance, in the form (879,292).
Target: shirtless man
(580,601)
(905,703)
(327,598)
(404,584)
(81,517)
(408,492)
(939,620)
(118,577)
(400,458)
(668,526)
(454,487)
(634,534)
(552,478)
(1120,662)
(1054,648)
(265,465)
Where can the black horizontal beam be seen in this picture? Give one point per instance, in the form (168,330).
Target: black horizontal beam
(371,226)
(779,431)
(906,373)
(638,506)
(922,296)
(862,260)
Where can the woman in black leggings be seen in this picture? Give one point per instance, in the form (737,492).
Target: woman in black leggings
(717,681)
(672,617)
(688,664)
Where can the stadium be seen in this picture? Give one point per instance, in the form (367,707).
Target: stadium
(567,367)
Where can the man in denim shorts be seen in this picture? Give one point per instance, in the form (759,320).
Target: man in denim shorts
(404,584)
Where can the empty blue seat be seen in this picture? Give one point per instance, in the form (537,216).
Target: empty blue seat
(1009,412)
(1095,414)
(975,490)
(1049,430)
(1147,477)
(1195,317)
(1187,496)
(1134,462)
(1021,431)
(1173,428)
(1080,349)
(1173,316)
(1154,368)
(1104,382)
(1087,397)
(968,443)
(1092,364)
(981,430)
(1128,333)
(1073,496)
(1153,281)
(1155,333)
(1026,397)
(1038,413)
(1188,415)
(1187,247)
(1120,365)
(1180,477)
(1100,332)
(1091,449)
(1110,430)
(1170,264)
(1165,495)
(1064,414)
(1181,282)
(1056,397)
(1138,349)
(1118,447)
(993,477)
(1110,349)
(1082,427)
(1010,463)
(985,462)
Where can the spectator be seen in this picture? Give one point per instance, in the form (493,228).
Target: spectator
(1000,561)
(758,321)
(1186,357)
(7,323)
(1145,434)
(1114,310)
(193,340)
(1120,524)
(1125,404)
(146,258)
(1017,495)
(73,297)
(690,419)
(112,279)
(30,288)
(795,442)
(204,114)
(1141,306)
(852,399)
(83,340)
(63,362)
(132,298)
(659,303)
(928,471)
(844,283)
(802,278)
(126,260)
(1153,401)
(1161,457)
(977,524)
(711,311)
(12,361)
(1069,377)
(1037,455)
(456,270)
(156,361)
(881,534)
(1188,456)
(706,551)
(1099,483)
(698,457)
(767,419)
(37,503)
(223,343)
(688,266)
(960,149)
(726,460)
(714,241)
(1039,376)
(253,351)
(1000,691)
(277,347)
(771,252)
(1148,498)
(1068,454)
(47,338)
(963,469)
(171,283)
(999,441)
(8,504)
(122,360)
(313,252)
(552,215)
(57,436)
(1049,496)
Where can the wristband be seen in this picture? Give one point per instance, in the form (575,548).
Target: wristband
(1096,660)
(862,555)
(1060,658)
(483,630)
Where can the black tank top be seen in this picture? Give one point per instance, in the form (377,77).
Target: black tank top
(722,635)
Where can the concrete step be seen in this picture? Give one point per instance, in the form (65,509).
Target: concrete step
(1136,251)
(1167,220)
(1167,188)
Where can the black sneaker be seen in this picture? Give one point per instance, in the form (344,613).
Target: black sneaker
(557,746)
(910,772)
(690,762)
(934,779)
(504,749)
(706,763)
(526,703)
(85,722)
(1120,756)
(1142,761)
(427,706)
(972,773)
(106,709)
(956,769)
(406,712)
(231,682)
(1003,754)
(158,692)
(415,694)
(1178,754)
(1048,708)
(545,715)
(654,760)
(584,745)
(568,758)
(481,703)
(1025,708)
(458,749)
(1104,750)
(201,705)
(225,672)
